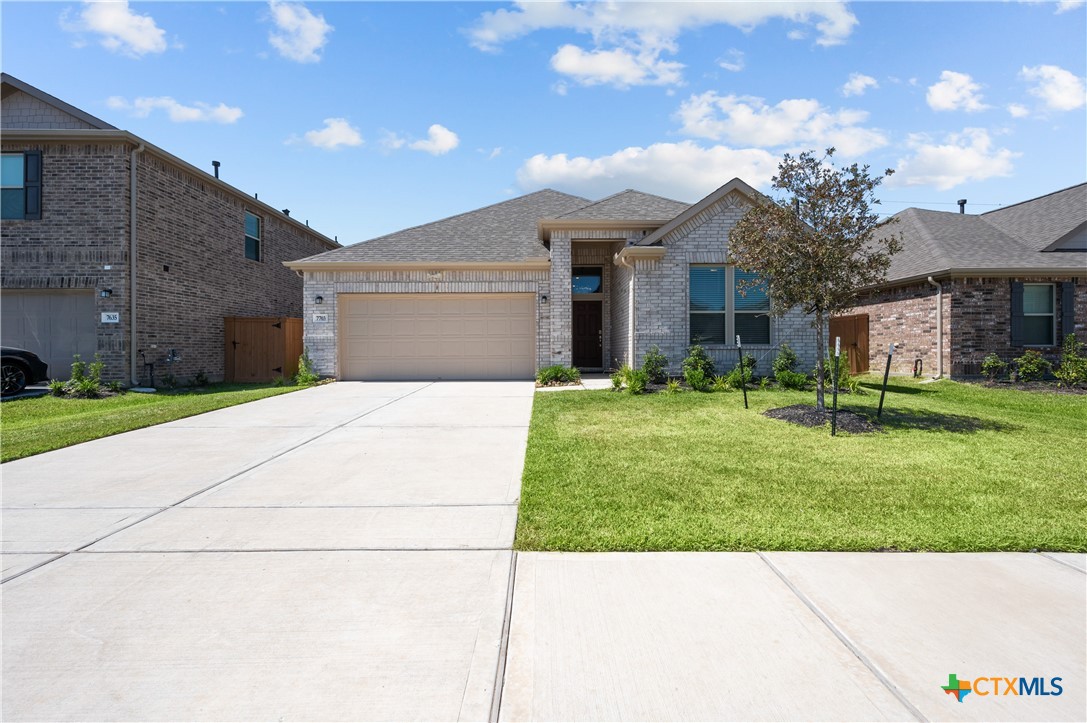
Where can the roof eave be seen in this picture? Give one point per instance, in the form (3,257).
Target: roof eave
(545,226)
(91,134)
(1077,271)
(532,264)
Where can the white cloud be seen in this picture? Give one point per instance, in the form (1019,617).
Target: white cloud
(336,134)
(733,60)
(300,35)
(121,30)
(684,170)
(618,67)
(858,83)
(629,37)
(961,157)
(178,113)
(1066,5)
(792,123)
(440,140)
(391,141)
(495,153)
(1017,110)
(955,91)
(1058,88)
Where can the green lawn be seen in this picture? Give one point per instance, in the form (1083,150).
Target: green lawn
(958,467)
(41,424)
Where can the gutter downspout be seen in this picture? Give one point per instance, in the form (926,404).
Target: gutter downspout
(132,264)
(939,328)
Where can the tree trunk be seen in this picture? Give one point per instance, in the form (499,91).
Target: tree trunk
(820,371)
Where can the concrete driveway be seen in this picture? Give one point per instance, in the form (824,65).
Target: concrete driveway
(339,553)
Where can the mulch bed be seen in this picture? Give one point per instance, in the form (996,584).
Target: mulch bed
(807,416)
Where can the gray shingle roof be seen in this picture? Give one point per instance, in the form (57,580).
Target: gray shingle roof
(629,205)
(1041,221)
(934,242)
(504,232)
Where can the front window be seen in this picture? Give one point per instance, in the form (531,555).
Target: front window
(587,280)
(726,301)
(13,182)
(1039,317)
(252,236)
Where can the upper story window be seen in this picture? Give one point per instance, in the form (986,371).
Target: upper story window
(21,185)
(721,306)
(1039,315)
(587,280)
(253,230)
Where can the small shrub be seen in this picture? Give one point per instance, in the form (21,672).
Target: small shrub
(764,383)
(785,361)
(95,369)
(618,378)
(79,369)
(556,375)
(1072,370)
(843,372)
(637,381)
(791,380)
(697,358)
(114,386)
(671,386)
(279,381)
(654,364)
(993,367)
(720,384)
(169,381)
(697,379)
(85,388)
(57,387)
(200,379)
(306,376)
(1032,366)
(736,379)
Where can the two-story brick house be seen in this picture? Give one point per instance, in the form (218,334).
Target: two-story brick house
(101,229)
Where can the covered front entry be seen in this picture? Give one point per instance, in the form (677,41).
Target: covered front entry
(437,336)
(55,325)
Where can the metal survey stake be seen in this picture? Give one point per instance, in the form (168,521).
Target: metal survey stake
(886,373)
(743,374)
(834,408)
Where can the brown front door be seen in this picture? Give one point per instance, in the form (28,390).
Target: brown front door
(854,333)
(588,334)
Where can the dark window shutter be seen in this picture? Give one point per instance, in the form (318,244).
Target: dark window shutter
(1068,309)
(32,181)
(1017,313)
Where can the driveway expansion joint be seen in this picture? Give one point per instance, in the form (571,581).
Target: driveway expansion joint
(503,646)
(1059,561)
(844,639)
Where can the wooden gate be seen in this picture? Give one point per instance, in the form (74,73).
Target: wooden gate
(854,333)
(259,349)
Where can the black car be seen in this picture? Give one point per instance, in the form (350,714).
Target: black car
(19,367)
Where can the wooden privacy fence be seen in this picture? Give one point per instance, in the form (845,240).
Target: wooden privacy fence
(261,348)
(854,333)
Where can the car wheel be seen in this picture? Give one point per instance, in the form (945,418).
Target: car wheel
(13,378)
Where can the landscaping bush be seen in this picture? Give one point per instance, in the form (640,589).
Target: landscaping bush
(1072,371)
(720,384)
(993,367)
(697,358)
(85,388)
(785,361)
(617,378)
(671,386)
(736,379)
(306,376)
(85,382)
(79,369)
(57,387)
(791,380)
(557,375)
(1032,366)
(637,381)
(697,379)
(654,364)
(200,379)
(844,379)
(168,381)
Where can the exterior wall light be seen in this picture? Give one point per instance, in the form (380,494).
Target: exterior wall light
(319,300)
(543,298)
(105,293)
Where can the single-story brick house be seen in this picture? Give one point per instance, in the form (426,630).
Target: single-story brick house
(965,285)
(542,279)
(113,246)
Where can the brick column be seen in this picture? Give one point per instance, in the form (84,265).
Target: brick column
(560,303)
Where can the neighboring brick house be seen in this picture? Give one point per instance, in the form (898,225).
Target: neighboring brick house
(546,278)
(1009,280)
(79,195)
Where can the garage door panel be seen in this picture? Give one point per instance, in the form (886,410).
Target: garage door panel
(437,336)
(55,325)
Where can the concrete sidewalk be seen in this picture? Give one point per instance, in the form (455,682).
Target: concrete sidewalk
(792,636)
(339,553)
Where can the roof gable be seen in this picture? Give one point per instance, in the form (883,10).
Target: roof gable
(628,205)
(1041,222)
(735,185)
(27,107)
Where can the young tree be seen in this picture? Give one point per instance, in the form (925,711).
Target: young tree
(817,245)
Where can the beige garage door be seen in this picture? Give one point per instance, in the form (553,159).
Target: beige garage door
(437,336)
(55,325)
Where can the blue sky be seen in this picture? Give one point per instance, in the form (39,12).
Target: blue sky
(365,118)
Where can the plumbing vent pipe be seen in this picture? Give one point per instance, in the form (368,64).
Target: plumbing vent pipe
(215,165)
(962,205)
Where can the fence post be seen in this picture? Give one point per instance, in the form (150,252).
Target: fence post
(834,408)
(886,373)
(743,372)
